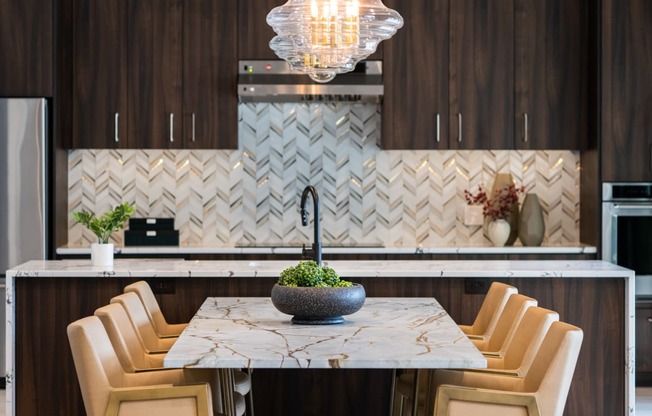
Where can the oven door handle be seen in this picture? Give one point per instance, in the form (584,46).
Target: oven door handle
(633,207)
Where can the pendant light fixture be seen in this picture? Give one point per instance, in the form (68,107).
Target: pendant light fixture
(327,37)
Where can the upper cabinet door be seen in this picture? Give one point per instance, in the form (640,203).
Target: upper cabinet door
(415,66)
(25,48)
(155,73)
(254,33)
(482,74)
(210,74)
(100,111)
(551,63)
(627,90)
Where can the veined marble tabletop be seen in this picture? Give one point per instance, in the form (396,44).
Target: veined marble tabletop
(385,333)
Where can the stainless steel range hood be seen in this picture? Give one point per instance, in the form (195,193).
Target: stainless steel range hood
(273,81)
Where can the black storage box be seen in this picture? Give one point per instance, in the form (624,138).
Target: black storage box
(151,223)
(151,238)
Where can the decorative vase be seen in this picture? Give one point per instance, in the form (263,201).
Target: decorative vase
(531,226)
(102,255)
(498,231)
(501,181)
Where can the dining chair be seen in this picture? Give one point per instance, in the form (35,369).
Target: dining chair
(542,391)
(108,390)
(241,379)
(506,326)
(153,310)
(140,321)
(492,306)
(135,358)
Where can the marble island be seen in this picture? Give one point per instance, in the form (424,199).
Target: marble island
(45,296)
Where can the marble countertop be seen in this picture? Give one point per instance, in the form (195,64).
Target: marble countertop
(144,268)
(353,249)
(385,333)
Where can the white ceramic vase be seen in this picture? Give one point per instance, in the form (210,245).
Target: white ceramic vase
(102,255)
(498,232)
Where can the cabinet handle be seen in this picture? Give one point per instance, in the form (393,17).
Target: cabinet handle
(193,127)
(649,319)
(438,129)
(171,127)
(525,127)
(459,127)
(116,126)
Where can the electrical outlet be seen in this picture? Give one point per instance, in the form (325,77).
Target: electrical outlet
(162,286)
(476,286)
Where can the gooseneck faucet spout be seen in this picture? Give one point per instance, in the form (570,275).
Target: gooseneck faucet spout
(315,252)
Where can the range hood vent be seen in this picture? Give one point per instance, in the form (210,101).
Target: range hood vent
(273,81)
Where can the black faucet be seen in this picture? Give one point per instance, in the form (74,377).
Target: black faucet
(315,252)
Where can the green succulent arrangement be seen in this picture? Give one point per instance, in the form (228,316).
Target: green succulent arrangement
(107,223)
(310,274)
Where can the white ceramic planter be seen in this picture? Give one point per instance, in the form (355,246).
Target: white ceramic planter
(102,255)
(498,232)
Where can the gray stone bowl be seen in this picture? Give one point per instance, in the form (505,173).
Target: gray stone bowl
(318,305)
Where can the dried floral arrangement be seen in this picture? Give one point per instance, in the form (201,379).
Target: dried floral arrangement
(500,205)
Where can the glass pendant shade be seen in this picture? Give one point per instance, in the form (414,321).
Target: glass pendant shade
(327,37)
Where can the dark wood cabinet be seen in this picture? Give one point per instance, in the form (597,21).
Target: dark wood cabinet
(550,74)
(254,33)
(26,44)
(155,73)
(481,74)
(210,112)
(644,340)
(464,75)
(626,90)
(176,78)
(415,104)
(100,115)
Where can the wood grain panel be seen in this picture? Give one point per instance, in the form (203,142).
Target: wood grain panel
(210,74)
(482,74)
(155,73)
(551,54)
(416,78)
(47,306)
(254,33)
(26,44)
(99,87)
(627,90)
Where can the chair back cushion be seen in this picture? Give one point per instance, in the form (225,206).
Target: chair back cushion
(144,292)
(552,370)
(508,321)
(98,368)
(139,319)
(527,339)
(491,308)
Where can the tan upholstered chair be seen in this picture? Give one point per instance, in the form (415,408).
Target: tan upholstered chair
(508,321)
(490,311)
(161,326)
(139,319)
(517,356)
(135,358)
(108,390)
(542,391)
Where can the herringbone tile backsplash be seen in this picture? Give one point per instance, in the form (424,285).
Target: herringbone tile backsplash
(368,196)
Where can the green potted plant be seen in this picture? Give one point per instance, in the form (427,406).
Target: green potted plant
(102,227)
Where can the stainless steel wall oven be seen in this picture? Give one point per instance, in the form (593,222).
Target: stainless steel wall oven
(627,230)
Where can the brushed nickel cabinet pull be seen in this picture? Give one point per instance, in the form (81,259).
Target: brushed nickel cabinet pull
(525,128)
(171,127)
(438,129)
(649,319)
(459,127)
(193,127)
(116,122)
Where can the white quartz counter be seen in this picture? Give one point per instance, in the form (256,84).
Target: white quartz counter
(142,268)
(360,249)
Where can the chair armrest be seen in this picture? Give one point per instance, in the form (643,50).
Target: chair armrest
(201,392)
(156,351)
(491,354)
(447,393)
(478,337)
(168,336)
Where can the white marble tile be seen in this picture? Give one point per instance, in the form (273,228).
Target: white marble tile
(385,333)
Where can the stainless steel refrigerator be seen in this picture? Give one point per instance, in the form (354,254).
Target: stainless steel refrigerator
(23,188)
